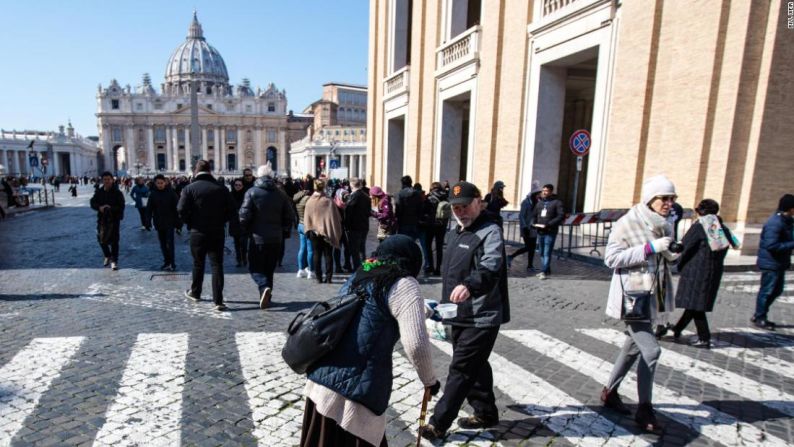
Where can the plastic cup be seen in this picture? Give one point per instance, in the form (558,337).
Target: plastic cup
(447,310)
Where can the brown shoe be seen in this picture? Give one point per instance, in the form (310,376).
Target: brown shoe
(431,433)
(646,418)
(612,401)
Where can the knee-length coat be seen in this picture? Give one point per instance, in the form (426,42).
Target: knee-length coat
(701,271)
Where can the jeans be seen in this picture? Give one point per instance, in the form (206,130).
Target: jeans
(304,250)
(771,288)
(262,260)
(145,220)
(640,342)
(357,244)
(470,377)
(546,243)
(701,323)
(202,246)
(166,238)
(530,243)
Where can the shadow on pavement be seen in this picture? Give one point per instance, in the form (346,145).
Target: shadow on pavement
(37,297)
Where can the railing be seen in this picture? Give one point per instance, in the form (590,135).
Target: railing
(397,83)
(28,196)
(551,6)
(459,51)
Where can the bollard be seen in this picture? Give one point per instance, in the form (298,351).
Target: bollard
(46,200)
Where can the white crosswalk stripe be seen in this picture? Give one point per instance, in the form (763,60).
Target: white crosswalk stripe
(275,392)
(712,423)
(750,282)
(147,409)
(778,341)
(743,386)
(27,376)
(754,356)
(554,408)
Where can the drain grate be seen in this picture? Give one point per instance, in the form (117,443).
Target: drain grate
(169,276)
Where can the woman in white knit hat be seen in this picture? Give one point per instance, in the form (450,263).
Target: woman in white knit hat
(638,251)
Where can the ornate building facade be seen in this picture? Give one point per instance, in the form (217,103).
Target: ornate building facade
(61,153)
(698,91)
(335,145)
(143,131)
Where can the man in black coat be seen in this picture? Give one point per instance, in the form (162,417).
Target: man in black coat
(408,208)
(162,209)
(266,213)
(357,214)
(547,216)
(205,207)
(108,201)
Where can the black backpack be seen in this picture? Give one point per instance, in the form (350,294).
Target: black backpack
(313,334)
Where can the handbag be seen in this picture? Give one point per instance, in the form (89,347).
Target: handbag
(636,305)
(315,333)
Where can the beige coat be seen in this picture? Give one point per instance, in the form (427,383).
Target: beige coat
(322,217)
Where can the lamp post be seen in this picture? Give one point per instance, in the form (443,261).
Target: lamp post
(138,166)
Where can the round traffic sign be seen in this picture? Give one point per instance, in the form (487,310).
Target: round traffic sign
(580,143)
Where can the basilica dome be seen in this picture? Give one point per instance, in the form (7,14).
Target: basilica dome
(196,60)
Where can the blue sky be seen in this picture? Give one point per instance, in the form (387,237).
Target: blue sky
(55,53)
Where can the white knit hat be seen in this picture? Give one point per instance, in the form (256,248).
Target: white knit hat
(657,186)
(264,171)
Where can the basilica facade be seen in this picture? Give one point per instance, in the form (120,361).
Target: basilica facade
(143,131)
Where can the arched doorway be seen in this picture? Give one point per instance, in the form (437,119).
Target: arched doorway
(272,157)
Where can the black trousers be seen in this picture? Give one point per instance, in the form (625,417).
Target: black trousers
(470,377)
(322,251)
(241,247)
(166,238)
(145,220)
(343,246)
(111,249)
(701,323)
(435,234)
(262,260)
(530,244)
(357,244)
(201,247)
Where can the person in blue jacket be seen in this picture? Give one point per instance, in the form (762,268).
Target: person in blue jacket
(774,258)
(139,193)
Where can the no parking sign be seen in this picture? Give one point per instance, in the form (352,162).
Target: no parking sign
(580,143)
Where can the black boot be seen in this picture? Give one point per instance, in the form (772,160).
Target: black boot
(612,400)
(646,418)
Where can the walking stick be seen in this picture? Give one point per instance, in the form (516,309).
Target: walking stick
(422,414)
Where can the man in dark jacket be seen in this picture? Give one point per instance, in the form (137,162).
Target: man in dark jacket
(548,214)
(436,214)
(266,213)
(205,207)
(408,208)
(528,232)
(108,201)
(162,209)
(774,258)
(357,219)
(475,278)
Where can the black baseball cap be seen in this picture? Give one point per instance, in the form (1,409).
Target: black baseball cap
(463,193)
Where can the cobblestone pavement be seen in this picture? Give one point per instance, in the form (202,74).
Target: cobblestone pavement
(92,356)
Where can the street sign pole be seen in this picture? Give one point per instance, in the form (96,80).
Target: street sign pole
(579,144)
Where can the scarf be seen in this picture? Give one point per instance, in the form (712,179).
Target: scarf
(715,234)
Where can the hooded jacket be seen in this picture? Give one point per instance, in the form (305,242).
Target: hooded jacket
(266,212)
(162,208)
(205,206)
(475,257)
(299,199)
(777,242)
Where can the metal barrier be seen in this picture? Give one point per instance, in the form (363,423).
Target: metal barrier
(35,196)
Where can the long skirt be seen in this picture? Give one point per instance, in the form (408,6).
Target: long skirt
(320,431)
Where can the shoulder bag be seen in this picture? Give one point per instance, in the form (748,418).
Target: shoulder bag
(636,304)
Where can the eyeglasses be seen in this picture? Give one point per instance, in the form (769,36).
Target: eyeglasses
(667,198)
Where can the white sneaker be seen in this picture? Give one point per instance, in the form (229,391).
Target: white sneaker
(541,276)
(106,262)
(302,273)
(114,266)
(310,274)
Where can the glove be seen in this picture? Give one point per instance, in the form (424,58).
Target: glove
(435,388)
(661,244)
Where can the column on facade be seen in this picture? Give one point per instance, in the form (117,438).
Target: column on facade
(169,158)
(107,148)
(238,144)
(15,160)
(4,160)
(283,162)
(220,155)
(54,164)
(258,146)
(362,167)
(150,148)
(205,154)
(327,166)
(188,150)
(175,147)
(132,152)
